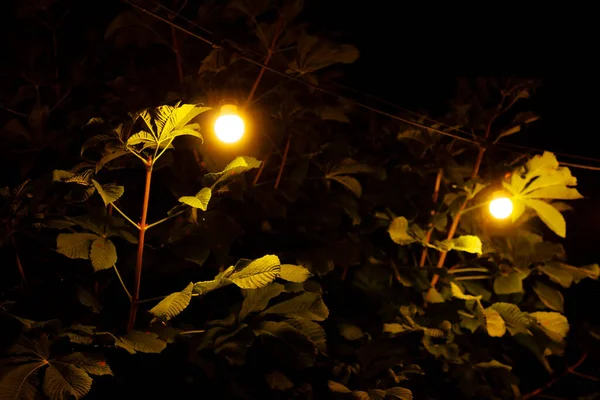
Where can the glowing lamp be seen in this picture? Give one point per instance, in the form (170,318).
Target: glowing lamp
(501,207)
(229,127)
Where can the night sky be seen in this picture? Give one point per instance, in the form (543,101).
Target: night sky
(412,54)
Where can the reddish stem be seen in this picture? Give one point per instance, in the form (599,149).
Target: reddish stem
(456,219)
(344,273)
(267,59)
(259,78)
(568,371)
(283,160)
(434,197)
(140,251)
(17,258)
(260,170)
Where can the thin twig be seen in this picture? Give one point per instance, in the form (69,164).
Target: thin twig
(10,110)
(257,81)
(434,197)
(122,283)
(59,102)
(585,376)
(125,216)
(164,219)
(156,157)
(456,219)
(267,59)
(158,298)
(151,299)
(458,271)
(283,160)
(396,272)
(18,261)
(192,332)
(344,273)
(135,153)
(472,277)
(568,371)
(260,170)
(268,92)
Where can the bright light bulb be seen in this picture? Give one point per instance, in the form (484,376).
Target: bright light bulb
(229,127)
(501,207)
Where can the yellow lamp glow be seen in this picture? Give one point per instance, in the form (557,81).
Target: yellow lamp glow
(229,127)
(501,207)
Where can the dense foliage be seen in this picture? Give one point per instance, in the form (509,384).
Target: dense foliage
(333,253)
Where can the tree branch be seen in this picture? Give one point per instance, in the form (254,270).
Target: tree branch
(122,283)
(568,371)
(125,216)
(283,160)
(456,220)
(434,198)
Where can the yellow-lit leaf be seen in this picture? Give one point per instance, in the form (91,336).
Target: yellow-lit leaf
(307,305)
(456,292)
(199,201)
(258,273)
(173,304)
(508,284)
(467,243)
(141,137)
(554,324)
(398,231)
(337,387)
(66,381)
(294,273)
(549,215)
(550,296)
(495,325)
(75,245)
(103,254)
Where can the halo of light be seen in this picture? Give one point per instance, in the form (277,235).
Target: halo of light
(501,207)
(229,126)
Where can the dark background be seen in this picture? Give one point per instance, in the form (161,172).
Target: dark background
(411,55)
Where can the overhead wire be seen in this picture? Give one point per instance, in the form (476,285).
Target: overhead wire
(339,85)
(296,79)
(238,52)
(370,96)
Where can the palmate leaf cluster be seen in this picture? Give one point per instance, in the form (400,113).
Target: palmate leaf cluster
(310,275)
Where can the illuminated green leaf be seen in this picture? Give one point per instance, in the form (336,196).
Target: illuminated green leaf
(294,273)
(508,284)
(257,274)
(199,201)
(75,245)
(173,304)
(550,296)
(103,254)
(399,233)
(554,324)
(549,215)
(109,193)
(495,325)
